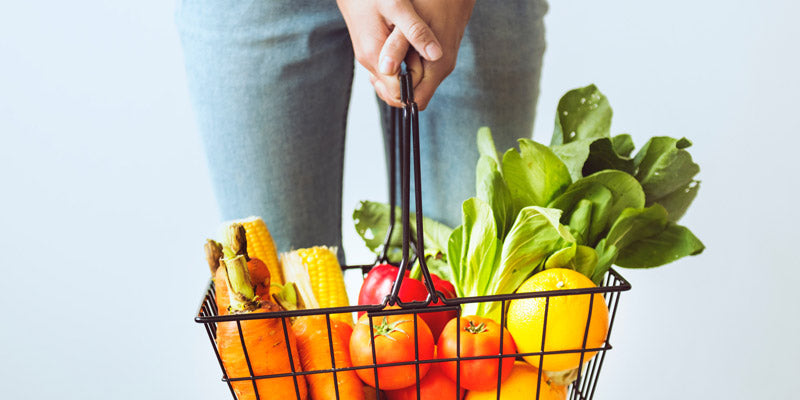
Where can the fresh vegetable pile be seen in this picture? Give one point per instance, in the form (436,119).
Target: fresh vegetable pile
(544,219)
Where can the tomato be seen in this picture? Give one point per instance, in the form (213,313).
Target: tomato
(434,386)
(378,284)
(394,342)
(479,337)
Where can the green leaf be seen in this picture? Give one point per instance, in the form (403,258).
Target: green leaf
(581,114)
(372,222)
(623,144)
(573,155)
(602,155)
(436,265)
(434,233)
(580,221)
(609,191)
(492,189)
(633,224)
(674,242)
(454,250)
(645,238)
(666,172)
(587,156)
(534,175)
(577,257)
(535,235)
(486,144)
(606,256)
(478,248)
(679,201)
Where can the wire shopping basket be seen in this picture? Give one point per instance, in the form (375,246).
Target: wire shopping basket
(405,129)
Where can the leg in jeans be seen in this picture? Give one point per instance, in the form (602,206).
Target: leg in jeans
(495,83)
(270,84)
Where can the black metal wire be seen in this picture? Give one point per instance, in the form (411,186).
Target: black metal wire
(541,357)
(207,315)
(502,331)
(333,358)
(247,358)
(404,139)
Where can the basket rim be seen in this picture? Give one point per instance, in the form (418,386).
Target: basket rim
(620,285)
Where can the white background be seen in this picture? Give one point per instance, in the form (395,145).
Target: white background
(106,200)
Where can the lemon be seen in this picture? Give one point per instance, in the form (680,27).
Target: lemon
(566,319)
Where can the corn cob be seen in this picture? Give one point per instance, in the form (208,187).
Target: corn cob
(325,279)
(261,246)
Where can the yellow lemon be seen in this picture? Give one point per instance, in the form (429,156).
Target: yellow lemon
(566,319)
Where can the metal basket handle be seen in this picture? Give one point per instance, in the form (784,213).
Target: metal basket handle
(409,140)
(395,121)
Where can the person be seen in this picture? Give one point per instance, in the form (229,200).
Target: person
(270,85)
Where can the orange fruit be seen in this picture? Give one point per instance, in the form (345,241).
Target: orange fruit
(566,319)
(522,385)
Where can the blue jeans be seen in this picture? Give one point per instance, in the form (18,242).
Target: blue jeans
(270,84)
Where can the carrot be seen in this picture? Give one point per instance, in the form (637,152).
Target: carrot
(264,339)
(315,355)
(259,273)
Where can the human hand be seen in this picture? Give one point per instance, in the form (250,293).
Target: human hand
(370,23)
(447,20)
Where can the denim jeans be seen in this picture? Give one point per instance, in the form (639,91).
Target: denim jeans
(270,84)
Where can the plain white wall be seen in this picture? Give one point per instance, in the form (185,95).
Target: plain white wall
(106,199)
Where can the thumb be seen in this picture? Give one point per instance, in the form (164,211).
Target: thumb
(416,31)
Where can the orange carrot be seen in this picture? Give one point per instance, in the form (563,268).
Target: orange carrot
(264,339)
(315,355)
(259,273)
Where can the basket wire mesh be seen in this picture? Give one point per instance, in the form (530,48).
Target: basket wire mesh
(406,129)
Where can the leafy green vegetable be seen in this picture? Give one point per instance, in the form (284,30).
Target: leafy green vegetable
(602,155)
(609,191)
(666,171)
(645,238)
(578,257)
(582,114)
(679,201)
(606,256)
(536,233)
(486,145)
(436,265)
(476,250)
(455,247)
(372,222)
(623,144)
(583,203)
(492,189)
(587,156)
(673,243)
(534,174)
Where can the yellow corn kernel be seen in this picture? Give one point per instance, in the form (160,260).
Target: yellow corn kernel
(327,280)
(261,246)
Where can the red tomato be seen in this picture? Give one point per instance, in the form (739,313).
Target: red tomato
(378,284)
(394,342)
(435,386)
(479,337)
